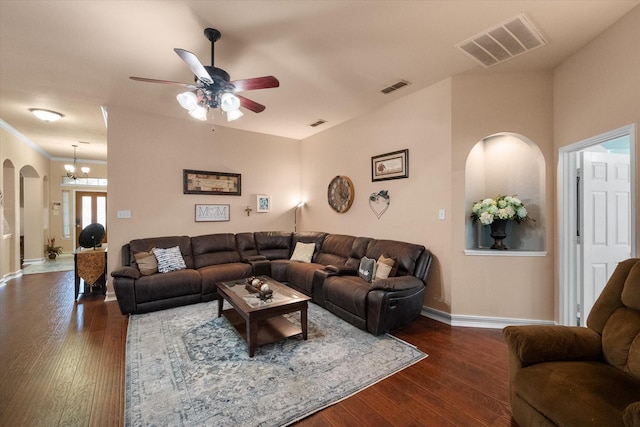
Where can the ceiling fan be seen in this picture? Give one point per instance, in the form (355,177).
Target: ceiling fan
(213,87)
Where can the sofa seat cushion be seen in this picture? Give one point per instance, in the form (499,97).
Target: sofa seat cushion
(222,273)
(594,393)
(300,276)
(167,285)
(347,292)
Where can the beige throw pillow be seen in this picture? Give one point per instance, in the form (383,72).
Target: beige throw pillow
(147,263)
(303,252)
(384,267)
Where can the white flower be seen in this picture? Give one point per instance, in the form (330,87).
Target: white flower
(486,218)
(522,212)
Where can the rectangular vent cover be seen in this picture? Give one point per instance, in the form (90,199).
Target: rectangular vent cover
(503,42)
(395,86)
(318,123)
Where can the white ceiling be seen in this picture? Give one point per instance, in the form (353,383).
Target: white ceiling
(332,57)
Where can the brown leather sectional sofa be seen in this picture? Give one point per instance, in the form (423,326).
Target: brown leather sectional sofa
(330,279)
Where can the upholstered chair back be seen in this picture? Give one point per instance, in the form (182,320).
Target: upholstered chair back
(616,317)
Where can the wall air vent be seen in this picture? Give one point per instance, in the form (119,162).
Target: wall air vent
(395,86)
(318,123)
(503,42)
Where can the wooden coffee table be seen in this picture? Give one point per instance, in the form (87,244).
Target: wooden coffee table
(262,322)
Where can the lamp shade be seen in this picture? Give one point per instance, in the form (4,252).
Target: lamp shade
(187,100)
(234,115)
(199,112)
(229,102)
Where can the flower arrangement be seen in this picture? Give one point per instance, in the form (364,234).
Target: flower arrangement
(501,207)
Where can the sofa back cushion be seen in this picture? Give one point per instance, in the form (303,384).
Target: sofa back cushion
(405,254)
(273,244)
(315,237)
(335,250)
(212,249)
(358,250)
(246,245)
(621,333)
(146,245)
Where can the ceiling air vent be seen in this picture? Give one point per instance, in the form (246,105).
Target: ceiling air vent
(395,86)
(318,123)
(503,42)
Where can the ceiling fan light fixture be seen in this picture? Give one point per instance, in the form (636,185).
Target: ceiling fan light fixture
(187,100)
(46,115)
(234,115)
(199,112)
(229,102)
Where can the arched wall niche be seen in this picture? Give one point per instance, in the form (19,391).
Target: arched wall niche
(506,164)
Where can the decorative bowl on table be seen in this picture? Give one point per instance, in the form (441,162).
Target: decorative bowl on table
(255,285)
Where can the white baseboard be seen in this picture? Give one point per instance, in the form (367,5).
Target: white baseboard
(479,321)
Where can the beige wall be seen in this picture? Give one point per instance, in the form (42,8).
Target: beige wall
(598,89)
(147,155)
(16,157)
(483,105)
(420,122)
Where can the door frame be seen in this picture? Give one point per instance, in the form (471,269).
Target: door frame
(567,216)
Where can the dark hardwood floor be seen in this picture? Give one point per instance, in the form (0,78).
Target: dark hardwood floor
(62,364)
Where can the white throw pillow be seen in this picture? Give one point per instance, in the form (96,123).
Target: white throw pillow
(169,259)
(303,252)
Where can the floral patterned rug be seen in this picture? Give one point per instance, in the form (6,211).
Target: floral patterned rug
(187,367)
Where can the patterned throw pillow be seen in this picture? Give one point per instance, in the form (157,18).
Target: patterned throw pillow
(303,252)
(169,259)
(367,269)
(384,267)
(147,263)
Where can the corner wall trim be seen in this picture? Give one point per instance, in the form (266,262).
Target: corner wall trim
(479,321)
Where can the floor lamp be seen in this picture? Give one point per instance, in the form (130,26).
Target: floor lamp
(295,216)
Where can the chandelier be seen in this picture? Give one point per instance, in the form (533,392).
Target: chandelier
(72,170)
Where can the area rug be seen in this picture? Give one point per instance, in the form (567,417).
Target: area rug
(187,367)
(61,263)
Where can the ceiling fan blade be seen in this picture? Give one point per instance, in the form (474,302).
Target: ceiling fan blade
(166,82)
(251,105)
(194,65)
(265,82)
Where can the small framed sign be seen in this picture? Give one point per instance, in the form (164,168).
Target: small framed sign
(393,165)
(209,213)
(263,203)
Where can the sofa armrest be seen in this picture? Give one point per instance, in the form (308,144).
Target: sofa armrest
(631,415)
(532,344)
(126,272)
(399,283)
(341,270)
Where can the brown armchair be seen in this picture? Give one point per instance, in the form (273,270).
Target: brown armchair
(574,376)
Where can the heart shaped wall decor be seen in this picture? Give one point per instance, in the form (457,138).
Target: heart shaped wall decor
(379,202)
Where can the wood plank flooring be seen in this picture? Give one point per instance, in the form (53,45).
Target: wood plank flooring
(62,364)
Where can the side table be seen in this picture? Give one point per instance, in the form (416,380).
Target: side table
(90,265)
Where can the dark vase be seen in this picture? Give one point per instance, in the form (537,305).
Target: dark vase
(499,233)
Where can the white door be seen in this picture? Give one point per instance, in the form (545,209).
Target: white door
(605,224)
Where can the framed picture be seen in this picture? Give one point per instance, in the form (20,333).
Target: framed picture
(393,165)
(209,213)
(263,203)
(203,182)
